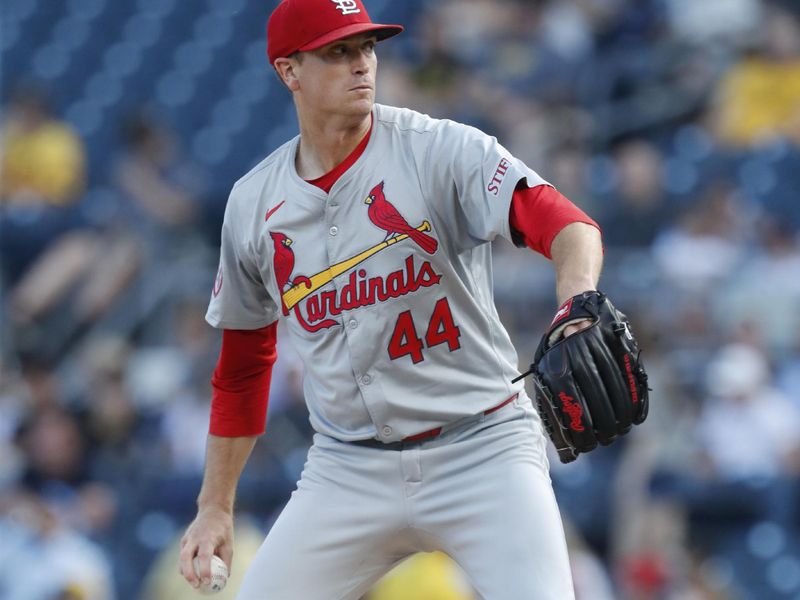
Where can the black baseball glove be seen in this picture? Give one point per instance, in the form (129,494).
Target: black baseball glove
(591,386)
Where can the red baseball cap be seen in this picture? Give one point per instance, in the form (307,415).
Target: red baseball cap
(301,25)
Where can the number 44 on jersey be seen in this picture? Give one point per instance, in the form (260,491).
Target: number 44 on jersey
(441,330)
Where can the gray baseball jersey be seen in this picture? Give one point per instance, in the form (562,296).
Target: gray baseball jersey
(385,282)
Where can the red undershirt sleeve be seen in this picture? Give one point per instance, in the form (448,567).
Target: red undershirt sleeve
(241,382)
(539,213)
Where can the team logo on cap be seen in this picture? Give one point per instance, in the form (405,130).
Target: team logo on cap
(348,7)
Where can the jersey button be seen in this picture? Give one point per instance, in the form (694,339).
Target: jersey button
(352,323)
(334,230)
(366,379)
(387,431)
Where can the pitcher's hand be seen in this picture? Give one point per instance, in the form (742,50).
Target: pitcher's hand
(210,533)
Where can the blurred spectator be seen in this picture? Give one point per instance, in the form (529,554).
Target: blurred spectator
(551,126)
(55,452)
(424,576)
(626,24)
(165,190)
(567,169)
(57,468)
(40,387)
(42,559)
(120,435)
(172,379)
(639,210)
(658,562)
(82,274)
(747,444)
(714,229)
(759,97)
(747,428)
(43,177)
(566,27)
(733,21)
(465,30)
(43,158)
(179,361)
(765,292)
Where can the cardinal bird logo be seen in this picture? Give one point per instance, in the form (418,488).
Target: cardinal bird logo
(284,261)
(316,307)
(385,216)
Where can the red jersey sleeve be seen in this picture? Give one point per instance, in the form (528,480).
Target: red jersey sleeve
(241,382)
(539,213)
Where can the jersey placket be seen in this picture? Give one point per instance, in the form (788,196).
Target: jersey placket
(339,236)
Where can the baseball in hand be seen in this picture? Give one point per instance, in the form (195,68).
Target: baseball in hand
(219,576)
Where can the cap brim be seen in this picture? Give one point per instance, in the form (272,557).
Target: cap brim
(382,32)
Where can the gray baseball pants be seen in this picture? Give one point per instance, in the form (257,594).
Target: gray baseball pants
(480,492)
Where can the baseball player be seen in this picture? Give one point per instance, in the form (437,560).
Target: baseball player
(368,234)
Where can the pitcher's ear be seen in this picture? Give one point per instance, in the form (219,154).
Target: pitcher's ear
(286,70)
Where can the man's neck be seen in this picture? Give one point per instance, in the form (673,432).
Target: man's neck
(324,143)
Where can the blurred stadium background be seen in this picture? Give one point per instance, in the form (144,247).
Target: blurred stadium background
(675,123)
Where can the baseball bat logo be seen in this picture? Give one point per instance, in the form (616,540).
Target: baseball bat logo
(360,290)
